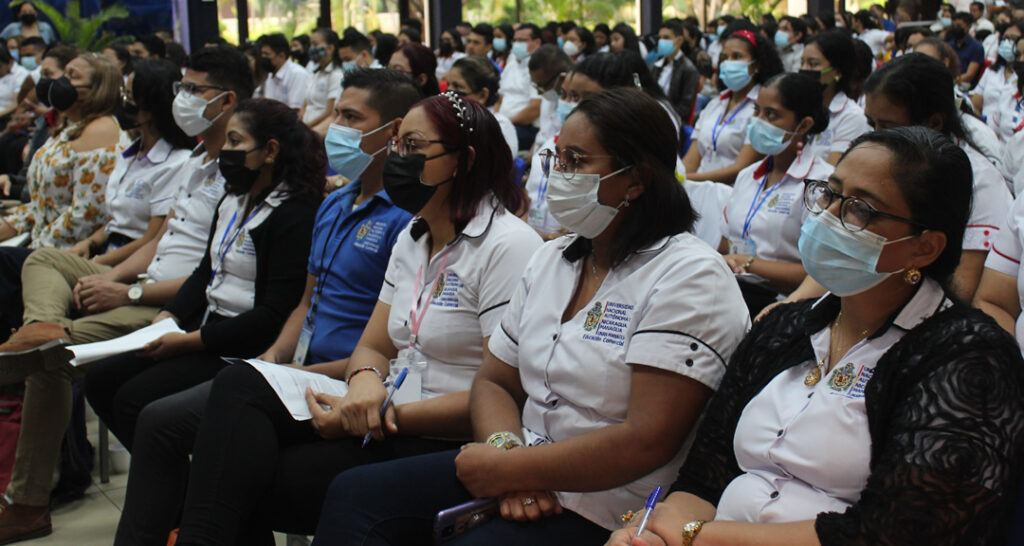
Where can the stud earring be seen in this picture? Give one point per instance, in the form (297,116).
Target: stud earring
(912,276)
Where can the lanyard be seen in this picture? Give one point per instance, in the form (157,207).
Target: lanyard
(322,273)
(415,315)
(717,129)
(542,190)
(225,241)
(755,205)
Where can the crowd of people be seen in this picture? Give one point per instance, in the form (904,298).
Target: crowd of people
(763,275)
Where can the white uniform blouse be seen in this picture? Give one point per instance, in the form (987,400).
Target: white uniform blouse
(326,85)
(806,450)
(672,306)
(480,271)
(142,187)
(990,203)
(846,121)
(721,135)
(992,86)
(1008,253)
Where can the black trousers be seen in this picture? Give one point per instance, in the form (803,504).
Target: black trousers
(256,469)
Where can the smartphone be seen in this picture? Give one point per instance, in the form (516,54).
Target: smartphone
(455,521)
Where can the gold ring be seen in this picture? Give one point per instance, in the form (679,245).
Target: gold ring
(528,501)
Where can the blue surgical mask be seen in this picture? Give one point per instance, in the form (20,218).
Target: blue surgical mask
(348,66)
(1007,51)
(734,74)
(946,22)
(665,47)
(720,30)
(344,151)
(29,62)
(15,54)
(499,44)
(766,138)
(520,50)
(781,38)
(712,38)
(565,108)
(561,42)
(841,261)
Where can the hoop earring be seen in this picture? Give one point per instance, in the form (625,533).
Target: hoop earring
(912,276)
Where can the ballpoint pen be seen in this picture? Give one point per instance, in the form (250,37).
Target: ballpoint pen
(384,408)
(649,508)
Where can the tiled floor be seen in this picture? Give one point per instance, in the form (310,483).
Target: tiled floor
(91,521)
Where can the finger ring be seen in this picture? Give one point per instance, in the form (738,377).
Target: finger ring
(628,516)
(528,501)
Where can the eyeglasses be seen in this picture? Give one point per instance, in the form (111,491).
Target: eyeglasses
(550,84)
(192,88)
(567,163)
(409,145)
(854,213)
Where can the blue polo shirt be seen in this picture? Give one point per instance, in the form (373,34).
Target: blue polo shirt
(972,52)
(349,256)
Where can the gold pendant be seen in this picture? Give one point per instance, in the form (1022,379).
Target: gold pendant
(812,377)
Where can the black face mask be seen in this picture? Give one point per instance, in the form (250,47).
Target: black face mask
(238,179)
(266,65)
(128,116)
(58,93)
(28,19)
(402,181)
(300,57)
(814,75)
(317,53)
(446,48)
(957,33)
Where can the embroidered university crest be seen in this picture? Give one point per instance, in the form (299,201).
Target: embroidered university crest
(842,379)
(364,230)
(773,201)
(439,287)
(593,317)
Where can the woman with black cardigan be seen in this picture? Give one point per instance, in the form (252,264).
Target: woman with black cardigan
(252,276)
(886,412)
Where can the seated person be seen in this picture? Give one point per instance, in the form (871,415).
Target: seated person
(451,274)
(614,337)
(917,398)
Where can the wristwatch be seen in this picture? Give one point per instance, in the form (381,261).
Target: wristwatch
(504,440)
(135,293)
(690,531)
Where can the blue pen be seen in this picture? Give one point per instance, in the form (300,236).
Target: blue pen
(384,408)
(651,501)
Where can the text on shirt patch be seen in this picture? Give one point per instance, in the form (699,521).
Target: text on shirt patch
(781,203)
(863,376)
(446,291)
(244,244)
(370,235)
(608,323)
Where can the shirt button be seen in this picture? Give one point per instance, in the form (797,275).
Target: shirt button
(554,337)
(779,433)
(554,403)
(810,395)
(774,495)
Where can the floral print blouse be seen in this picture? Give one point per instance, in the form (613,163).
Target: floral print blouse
(67,190)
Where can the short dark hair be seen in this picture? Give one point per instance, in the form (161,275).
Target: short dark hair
(356,41)
(977,4)
(479,74)
(151,91)
(602,28)
(62,53)
(302,162)
(637,131)
(534,30)
(392,93)
(549,58)
(866,18)
(276,42)
(225,67)
(153,44)
(386,45)
(34,41)
(964,16)
(766,57)
(485,30)
(921,85)
(176,54)
(413,34)
(936,180)
(800,95)
(675,26)
(798,25)
(838,49)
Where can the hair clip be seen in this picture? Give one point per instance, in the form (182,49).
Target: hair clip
(461,111)
(636,81)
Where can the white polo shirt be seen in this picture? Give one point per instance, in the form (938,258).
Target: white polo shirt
(806,450)
(992,85)
(986,142)
(773,215)
(673,306)
(846,121)
(1006,119)
(290,84)
(232,288)
(508,130)
(184,243)
(141,187)
(991,202)
(1012,166)
(516,88)
(550,123)
(10,84)
(481,268)
(326,85)
(721,135)
(1007,255)
(792,57)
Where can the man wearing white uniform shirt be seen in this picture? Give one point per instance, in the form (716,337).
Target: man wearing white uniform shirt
(520,102)
(548,64)
(286,81)
(12,75)
(789,38)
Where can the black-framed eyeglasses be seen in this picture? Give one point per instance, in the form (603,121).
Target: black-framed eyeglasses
(550,84)
(410,145)
(854,213)
(192,88)
(567,163)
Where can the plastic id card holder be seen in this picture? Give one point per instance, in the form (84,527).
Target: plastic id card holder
(302,347)
(411,390)
(745,247)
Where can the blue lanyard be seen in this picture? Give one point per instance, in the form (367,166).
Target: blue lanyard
(755,204)
(542,190)
(225,242)
(716,130)
(321,279)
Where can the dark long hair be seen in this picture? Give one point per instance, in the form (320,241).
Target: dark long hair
(302,163)
(151,90)
(490,173)
(837,47)
(629,40)
(637,132)
(422,61)
(800,96)
(766,57)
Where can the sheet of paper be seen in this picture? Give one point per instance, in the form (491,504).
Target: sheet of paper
(16,241)
(90,352)
(290,385)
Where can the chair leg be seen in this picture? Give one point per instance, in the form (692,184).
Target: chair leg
(104,453)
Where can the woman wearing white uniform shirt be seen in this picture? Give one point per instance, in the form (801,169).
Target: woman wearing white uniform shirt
(762,219)
(999,292)
(720,148)
(1000,78)
(327,76)
(830,58)
(612,342)
(883,413)
(142,185)
(478,79)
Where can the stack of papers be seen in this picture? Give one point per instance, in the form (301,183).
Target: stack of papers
(20,239)
(290,385)
(91,352)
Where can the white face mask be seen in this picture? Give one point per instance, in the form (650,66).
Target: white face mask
(576,210)
(188,113)
(571,49)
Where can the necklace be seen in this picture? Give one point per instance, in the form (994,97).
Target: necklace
(815,374)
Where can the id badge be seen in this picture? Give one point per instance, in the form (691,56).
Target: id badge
(743,246)
(411,390)
(302,347)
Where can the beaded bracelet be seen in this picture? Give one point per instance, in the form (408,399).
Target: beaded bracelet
(365,369)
